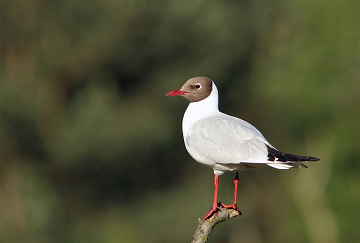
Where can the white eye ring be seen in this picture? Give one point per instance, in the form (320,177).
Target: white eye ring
(198,86)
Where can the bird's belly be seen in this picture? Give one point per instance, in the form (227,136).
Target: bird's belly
(219,168)
(200,158)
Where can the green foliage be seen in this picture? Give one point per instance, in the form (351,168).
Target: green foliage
(91,149)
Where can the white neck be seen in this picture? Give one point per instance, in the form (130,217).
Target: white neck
(201,109)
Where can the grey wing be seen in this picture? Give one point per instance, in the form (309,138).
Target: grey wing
(227,140)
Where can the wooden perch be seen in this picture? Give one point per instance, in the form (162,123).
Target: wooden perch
(205,227)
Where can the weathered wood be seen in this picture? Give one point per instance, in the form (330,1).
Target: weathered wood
(205,227)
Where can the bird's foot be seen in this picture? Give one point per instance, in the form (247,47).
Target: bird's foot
(214,208)
(232,206)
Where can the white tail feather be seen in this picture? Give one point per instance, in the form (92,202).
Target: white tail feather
(280,166)
(285,166)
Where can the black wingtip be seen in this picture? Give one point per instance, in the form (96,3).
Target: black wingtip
(275,155)
(313,158)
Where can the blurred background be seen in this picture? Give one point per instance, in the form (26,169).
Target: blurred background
(91,150)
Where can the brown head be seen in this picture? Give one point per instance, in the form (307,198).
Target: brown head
(195,89)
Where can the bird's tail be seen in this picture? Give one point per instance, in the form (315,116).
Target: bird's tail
(281,160)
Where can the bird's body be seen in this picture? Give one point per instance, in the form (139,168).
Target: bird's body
(240,150)
(223,142)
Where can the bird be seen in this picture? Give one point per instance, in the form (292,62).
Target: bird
(223,142)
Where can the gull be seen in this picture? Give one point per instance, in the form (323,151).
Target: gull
(223,142)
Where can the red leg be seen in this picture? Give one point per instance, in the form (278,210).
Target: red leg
(236,183)
(215,206)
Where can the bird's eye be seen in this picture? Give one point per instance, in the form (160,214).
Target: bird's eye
(198,86)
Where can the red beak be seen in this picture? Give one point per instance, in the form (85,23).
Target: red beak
(176,92)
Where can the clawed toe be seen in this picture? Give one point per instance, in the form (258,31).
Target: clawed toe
(233,206)
(212,210)
(217,206)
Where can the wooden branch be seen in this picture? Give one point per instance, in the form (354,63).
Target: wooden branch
(205,227)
